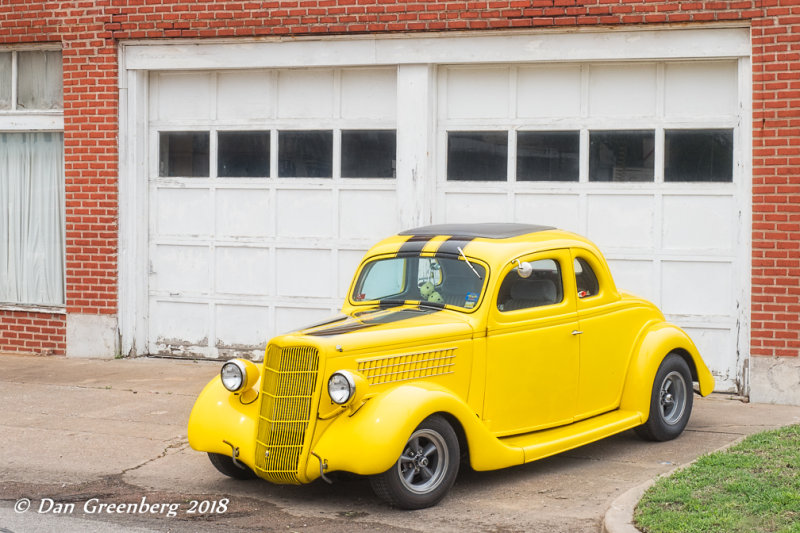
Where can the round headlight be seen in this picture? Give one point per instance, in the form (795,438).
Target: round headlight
(233,375)
(341,387)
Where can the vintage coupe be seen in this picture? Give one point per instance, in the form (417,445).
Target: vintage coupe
(497,343)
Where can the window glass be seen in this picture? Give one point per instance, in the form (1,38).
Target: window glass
(548,155)
(437,280)
(621,155)
(698,155)
(5,80)
(477,155)
(585,279)
(305,154)
(542,287)
(183,153)
(368,153)
(39,82)
(243,154)
(32,214)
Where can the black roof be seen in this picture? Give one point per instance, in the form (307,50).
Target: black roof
(487,230)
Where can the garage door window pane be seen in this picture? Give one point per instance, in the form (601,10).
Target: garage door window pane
(305,154)
(477,155)
(5,80)
(368,153)
(40,82)
(548,155)
(621,155)
(243,154)
(698,155)
(183,154)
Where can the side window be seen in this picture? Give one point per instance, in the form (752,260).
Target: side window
(542,287)
(585,279)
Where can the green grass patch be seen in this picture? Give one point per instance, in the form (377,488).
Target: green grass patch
(752,487)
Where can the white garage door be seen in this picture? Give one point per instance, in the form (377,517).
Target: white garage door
(644,158)
(266,187)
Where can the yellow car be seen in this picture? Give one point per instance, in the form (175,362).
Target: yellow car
(497,343)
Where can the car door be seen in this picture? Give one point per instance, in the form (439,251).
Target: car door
(532,347)
(608,330)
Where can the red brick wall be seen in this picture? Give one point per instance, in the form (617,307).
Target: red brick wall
(89,30)
(31,332)
(776,180)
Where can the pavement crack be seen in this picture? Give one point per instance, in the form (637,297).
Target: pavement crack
(176,445)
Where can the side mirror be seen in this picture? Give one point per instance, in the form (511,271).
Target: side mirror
(524,269)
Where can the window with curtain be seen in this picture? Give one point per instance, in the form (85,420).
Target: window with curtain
(32,218)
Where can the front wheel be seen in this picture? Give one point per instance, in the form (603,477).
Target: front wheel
(426,469)
(225,464)
(670,401)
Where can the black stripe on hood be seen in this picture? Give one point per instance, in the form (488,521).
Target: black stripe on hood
(373,317)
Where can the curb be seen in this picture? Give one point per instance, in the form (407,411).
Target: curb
(619,516)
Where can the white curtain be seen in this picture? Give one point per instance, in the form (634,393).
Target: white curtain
(32,218)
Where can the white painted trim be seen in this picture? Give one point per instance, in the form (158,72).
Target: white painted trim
(443,48)
(31,122)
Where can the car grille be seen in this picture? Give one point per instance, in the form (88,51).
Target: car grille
(287,386)
(404,367)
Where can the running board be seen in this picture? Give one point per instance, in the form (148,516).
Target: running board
(540,444)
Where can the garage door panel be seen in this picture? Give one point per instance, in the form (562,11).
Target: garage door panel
(183,212)
(637,277)
(716,347)
(305,213)
(549,91)
(369,93)
(242,271)
(699,223)
(348,263)
(557,210)
(243,213)
(618,222)
(182,95)
(476,93)
(697,288)
(181,269)
(245,95)
(368,215)
(622,90)
(305,273)
(288,319)
(305,93)
(241,328)
(477,207)
(707,89)
(179,324)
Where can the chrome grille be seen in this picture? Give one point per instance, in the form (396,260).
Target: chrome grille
(404,367)
(287,386)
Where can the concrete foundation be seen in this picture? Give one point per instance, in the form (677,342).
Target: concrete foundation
(93,336)
(775,380)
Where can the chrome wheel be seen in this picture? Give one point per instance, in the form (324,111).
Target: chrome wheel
(422,465)
(672,398)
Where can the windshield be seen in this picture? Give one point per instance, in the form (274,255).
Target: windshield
(431,280)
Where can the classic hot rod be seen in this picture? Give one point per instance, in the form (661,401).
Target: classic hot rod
(500,343)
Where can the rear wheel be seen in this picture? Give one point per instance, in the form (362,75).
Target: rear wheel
(426,469)
(670,401)
(225,464)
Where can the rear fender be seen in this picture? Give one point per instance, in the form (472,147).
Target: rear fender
(655,344)
(371,440)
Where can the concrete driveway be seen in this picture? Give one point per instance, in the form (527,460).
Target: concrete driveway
(113,432)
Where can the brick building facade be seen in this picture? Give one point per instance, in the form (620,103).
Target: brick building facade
(92,36)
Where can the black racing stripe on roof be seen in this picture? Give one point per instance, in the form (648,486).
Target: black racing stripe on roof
(452,244)
(415,244)
(488,230)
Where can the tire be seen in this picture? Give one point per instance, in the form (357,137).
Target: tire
(225,464)
(670,401)
(425,471)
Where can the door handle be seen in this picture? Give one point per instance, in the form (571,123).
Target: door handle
(577,332)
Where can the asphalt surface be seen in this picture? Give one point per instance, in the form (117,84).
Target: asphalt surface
(100,445)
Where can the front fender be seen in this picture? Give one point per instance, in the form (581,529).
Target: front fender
(371,440)
(219,415)
(656,342)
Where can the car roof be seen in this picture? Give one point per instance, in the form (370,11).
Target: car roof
(486,230)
